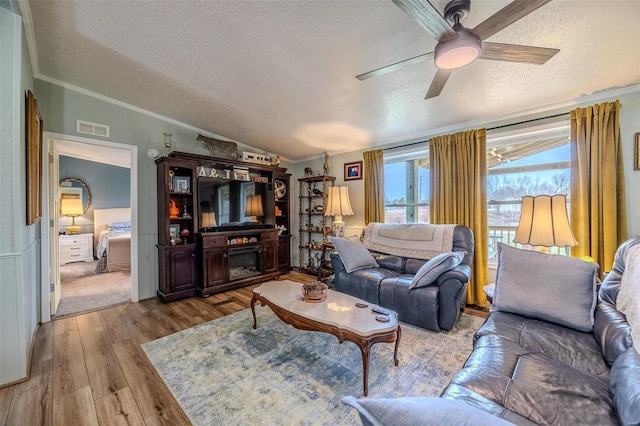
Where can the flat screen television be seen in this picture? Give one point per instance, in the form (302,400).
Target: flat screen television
(227,200)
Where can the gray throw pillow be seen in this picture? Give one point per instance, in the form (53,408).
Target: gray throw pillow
(353,253)
(410,411)
(433,268)
(554,288)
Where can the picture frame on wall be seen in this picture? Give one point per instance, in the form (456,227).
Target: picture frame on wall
(353,171)
(637,152)
(34,160)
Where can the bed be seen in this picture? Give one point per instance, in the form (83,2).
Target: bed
(112,235)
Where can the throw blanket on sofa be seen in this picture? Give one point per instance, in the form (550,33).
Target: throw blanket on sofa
(416,240)
(628,301)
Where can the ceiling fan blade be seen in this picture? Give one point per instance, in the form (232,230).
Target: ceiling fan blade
(428,17)
(516,53)
(507,16)
(439,80)
(393,67)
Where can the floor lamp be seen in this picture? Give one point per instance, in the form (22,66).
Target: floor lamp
(338,205)
(544,223)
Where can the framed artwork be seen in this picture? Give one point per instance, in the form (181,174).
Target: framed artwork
(241,175)
(174,230)
(353,171)
(181,184)
(34,160)
(637,156)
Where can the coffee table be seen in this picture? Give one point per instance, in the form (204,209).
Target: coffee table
(338,315)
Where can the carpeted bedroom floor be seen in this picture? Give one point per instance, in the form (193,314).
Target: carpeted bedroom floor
(83,290)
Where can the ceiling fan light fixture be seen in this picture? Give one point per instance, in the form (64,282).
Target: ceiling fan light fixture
(457,53)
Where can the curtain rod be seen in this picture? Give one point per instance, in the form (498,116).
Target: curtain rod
(490,128)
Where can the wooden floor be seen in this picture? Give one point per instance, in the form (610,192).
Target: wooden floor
(90,369)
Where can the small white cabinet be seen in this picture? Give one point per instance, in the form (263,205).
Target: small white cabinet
(76,248)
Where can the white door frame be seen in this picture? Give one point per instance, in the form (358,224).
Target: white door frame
(50,137)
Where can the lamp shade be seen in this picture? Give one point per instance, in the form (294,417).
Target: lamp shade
(71,207)
(338,202)
(254,206)
(544,222)
(208,220)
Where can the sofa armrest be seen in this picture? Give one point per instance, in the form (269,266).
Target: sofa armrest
(452,295)
(461,273)
(336,262)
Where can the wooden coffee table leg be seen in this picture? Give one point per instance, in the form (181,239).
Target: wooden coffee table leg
(395,352)
(253,311)
(366,351)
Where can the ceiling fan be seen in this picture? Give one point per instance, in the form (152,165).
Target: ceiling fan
(459,46)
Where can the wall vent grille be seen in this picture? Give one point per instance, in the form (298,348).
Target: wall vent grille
(92,128)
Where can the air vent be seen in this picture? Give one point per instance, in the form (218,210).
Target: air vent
(92,128)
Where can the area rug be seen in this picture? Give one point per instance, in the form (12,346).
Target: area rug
(82,290)
(225,372)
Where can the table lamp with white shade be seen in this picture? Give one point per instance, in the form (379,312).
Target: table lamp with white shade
(544,222)
(254,207)
(209,220)
(338,205)
(72,207)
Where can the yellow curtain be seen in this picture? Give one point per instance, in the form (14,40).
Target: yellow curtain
(459,195)
(373,186)
(598,215)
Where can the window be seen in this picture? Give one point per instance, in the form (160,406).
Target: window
(521,160)
(530,161)
(406,189)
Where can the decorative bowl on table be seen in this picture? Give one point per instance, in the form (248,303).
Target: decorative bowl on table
(315,291)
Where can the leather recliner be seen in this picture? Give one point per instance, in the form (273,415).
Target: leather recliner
(435,307)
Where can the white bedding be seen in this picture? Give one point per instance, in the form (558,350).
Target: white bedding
(103,238)
(120,245)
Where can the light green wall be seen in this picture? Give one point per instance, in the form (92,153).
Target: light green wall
(20,244)
(61,107)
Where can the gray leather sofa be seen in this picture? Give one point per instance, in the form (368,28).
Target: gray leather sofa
(435,307)
(531,371)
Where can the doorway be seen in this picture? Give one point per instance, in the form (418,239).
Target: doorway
(73,279)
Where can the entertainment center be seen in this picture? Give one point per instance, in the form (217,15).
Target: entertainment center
(207,242)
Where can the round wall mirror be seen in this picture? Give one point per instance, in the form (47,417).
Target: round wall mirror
(75,188)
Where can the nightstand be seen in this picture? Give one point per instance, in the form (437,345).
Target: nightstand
(76,248)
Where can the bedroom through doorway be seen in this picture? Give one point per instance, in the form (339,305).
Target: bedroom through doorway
(93,245)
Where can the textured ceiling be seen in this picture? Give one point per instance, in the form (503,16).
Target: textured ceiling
(280,75)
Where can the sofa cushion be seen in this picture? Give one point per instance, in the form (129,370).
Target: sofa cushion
(625,387)
(394,293)
(411,411)
(542,389)
(390,262)
(538,285)
(433,268)
(353,253)
(363,283)
(574,348)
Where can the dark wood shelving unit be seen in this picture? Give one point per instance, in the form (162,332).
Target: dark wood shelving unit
(199,263)
(311,213)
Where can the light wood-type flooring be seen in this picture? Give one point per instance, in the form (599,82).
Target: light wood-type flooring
(90,369)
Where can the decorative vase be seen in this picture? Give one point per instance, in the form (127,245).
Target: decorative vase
(174,211)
